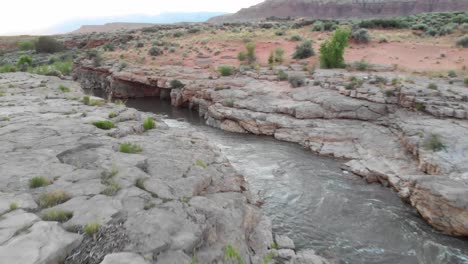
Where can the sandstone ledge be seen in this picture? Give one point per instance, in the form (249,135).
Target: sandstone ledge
(176,200)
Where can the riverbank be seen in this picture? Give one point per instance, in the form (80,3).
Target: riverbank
(405,132)
(76,189)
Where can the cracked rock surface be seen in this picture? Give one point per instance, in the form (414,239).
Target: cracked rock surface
(178,199)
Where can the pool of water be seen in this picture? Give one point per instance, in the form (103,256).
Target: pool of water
(310,199)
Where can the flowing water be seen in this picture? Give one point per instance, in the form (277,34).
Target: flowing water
(310,199)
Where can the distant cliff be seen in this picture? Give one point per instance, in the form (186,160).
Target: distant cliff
(336,9)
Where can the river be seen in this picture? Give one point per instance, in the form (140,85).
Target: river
(320,206)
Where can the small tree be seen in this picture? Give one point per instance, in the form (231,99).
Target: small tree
(332,50)
(304,50)
(250,47)
(276,56)
(46,44)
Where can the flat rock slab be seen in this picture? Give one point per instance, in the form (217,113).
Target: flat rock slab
(124,258)
(43,243)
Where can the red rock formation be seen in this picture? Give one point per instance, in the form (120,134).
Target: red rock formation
(321,9)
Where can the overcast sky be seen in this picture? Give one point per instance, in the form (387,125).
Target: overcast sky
(37,16)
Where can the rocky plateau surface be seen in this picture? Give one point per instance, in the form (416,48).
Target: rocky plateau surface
(177,200)
(405,132)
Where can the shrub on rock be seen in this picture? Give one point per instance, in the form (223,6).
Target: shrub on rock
(104,125)
(149,124)
(226,70)
(175,84)
(297,81)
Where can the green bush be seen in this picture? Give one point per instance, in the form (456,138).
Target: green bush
(382,23)
(25,59)
(463,41)
(250,47)
(276,56)
(55,69)
(64,89)
(304,50)
(155,51)
(432,86)
(296,81)
(226,70)
(46,44)
(91,229)
(332,50)
(13,206)
(362,65)
(295,38)
(361,36)
(242,56)
(57,215)
(175,84)
(130,148)
(282,76)
(37,182)
(149,124)
(53,198)
(452,74)
(104,124)
(465,81)
(26,45)
(434,143)
(7,68)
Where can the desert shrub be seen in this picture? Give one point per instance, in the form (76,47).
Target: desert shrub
(178,34)
(26,45)
(193,30)
(104,124)
(242,56)
(37,182)
(280,33)
(57,215)
(452,74)
(296,80)
(463,41)
(282,76)
(434,143)
(112,187)
(432,86)
(149,124)
(250,47)
(53,198)
(382,23)
(63,88)
(109,47)
(295,38)
(276,56)
(13,206)
(155,51)
(226,70)
(362,65)
(304,50)
(465,81)
(91,229)
(318,26)
(176,84)
(24,59)
(332,50)
(419,27)
(130,148)
(361,36)
(7,68)
(140,45)
(46,44)
(202,164)
(231,255)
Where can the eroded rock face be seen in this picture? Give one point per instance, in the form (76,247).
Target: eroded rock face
(382,125)
(340,9)
(177,199)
